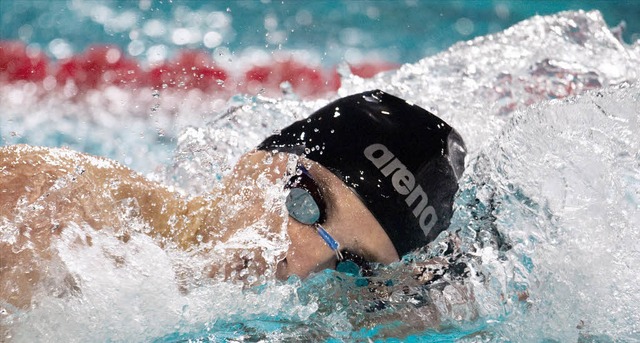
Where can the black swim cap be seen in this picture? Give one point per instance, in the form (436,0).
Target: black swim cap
(401,160)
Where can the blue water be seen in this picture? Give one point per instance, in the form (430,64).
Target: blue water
(549,207)
(395,31)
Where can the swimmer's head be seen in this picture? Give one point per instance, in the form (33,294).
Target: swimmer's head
(402,161)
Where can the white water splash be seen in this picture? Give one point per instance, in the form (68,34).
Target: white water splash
(565,187)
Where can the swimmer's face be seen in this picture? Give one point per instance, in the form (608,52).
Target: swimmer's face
(347,220)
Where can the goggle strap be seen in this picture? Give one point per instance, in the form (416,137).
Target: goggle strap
(335,246)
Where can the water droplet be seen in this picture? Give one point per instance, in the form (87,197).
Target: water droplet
(268,160)
(286,88)
(344,70)
(173,220)
(371,98)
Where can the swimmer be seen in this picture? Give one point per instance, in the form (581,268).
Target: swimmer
(373,179)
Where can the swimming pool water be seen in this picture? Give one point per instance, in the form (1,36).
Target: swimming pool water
(331,31)
(549,112)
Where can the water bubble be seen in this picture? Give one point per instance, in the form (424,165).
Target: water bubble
(351,36)
(157,53)
(49,83)
(154,28)
(270,22)
(218,20)
(464,26)
(502,11)
(173,220)
(304,18)
(373,12)
(181,36)
(70,89)
(212,39)
(60,48)
(25,32)
(344,70)
(286,88)
(144,5)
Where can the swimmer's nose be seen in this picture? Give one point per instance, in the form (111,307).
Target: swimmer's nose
(282,270)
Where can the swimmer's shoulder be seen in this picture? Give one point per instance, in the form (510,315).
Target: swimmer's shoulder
(44,165)
(91,184)
(39,155)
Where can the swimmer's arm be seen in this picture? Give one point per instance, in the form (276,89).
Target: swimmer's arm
(75,187)
(170,216)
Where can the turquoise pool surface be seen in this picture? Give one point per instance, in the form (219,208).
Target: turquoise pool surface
(396,31)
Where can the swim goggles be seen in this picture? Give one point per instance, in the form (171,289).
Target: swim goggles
(305,203)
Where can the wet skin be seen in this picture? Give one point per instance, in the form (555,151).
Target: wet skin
(43,191)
